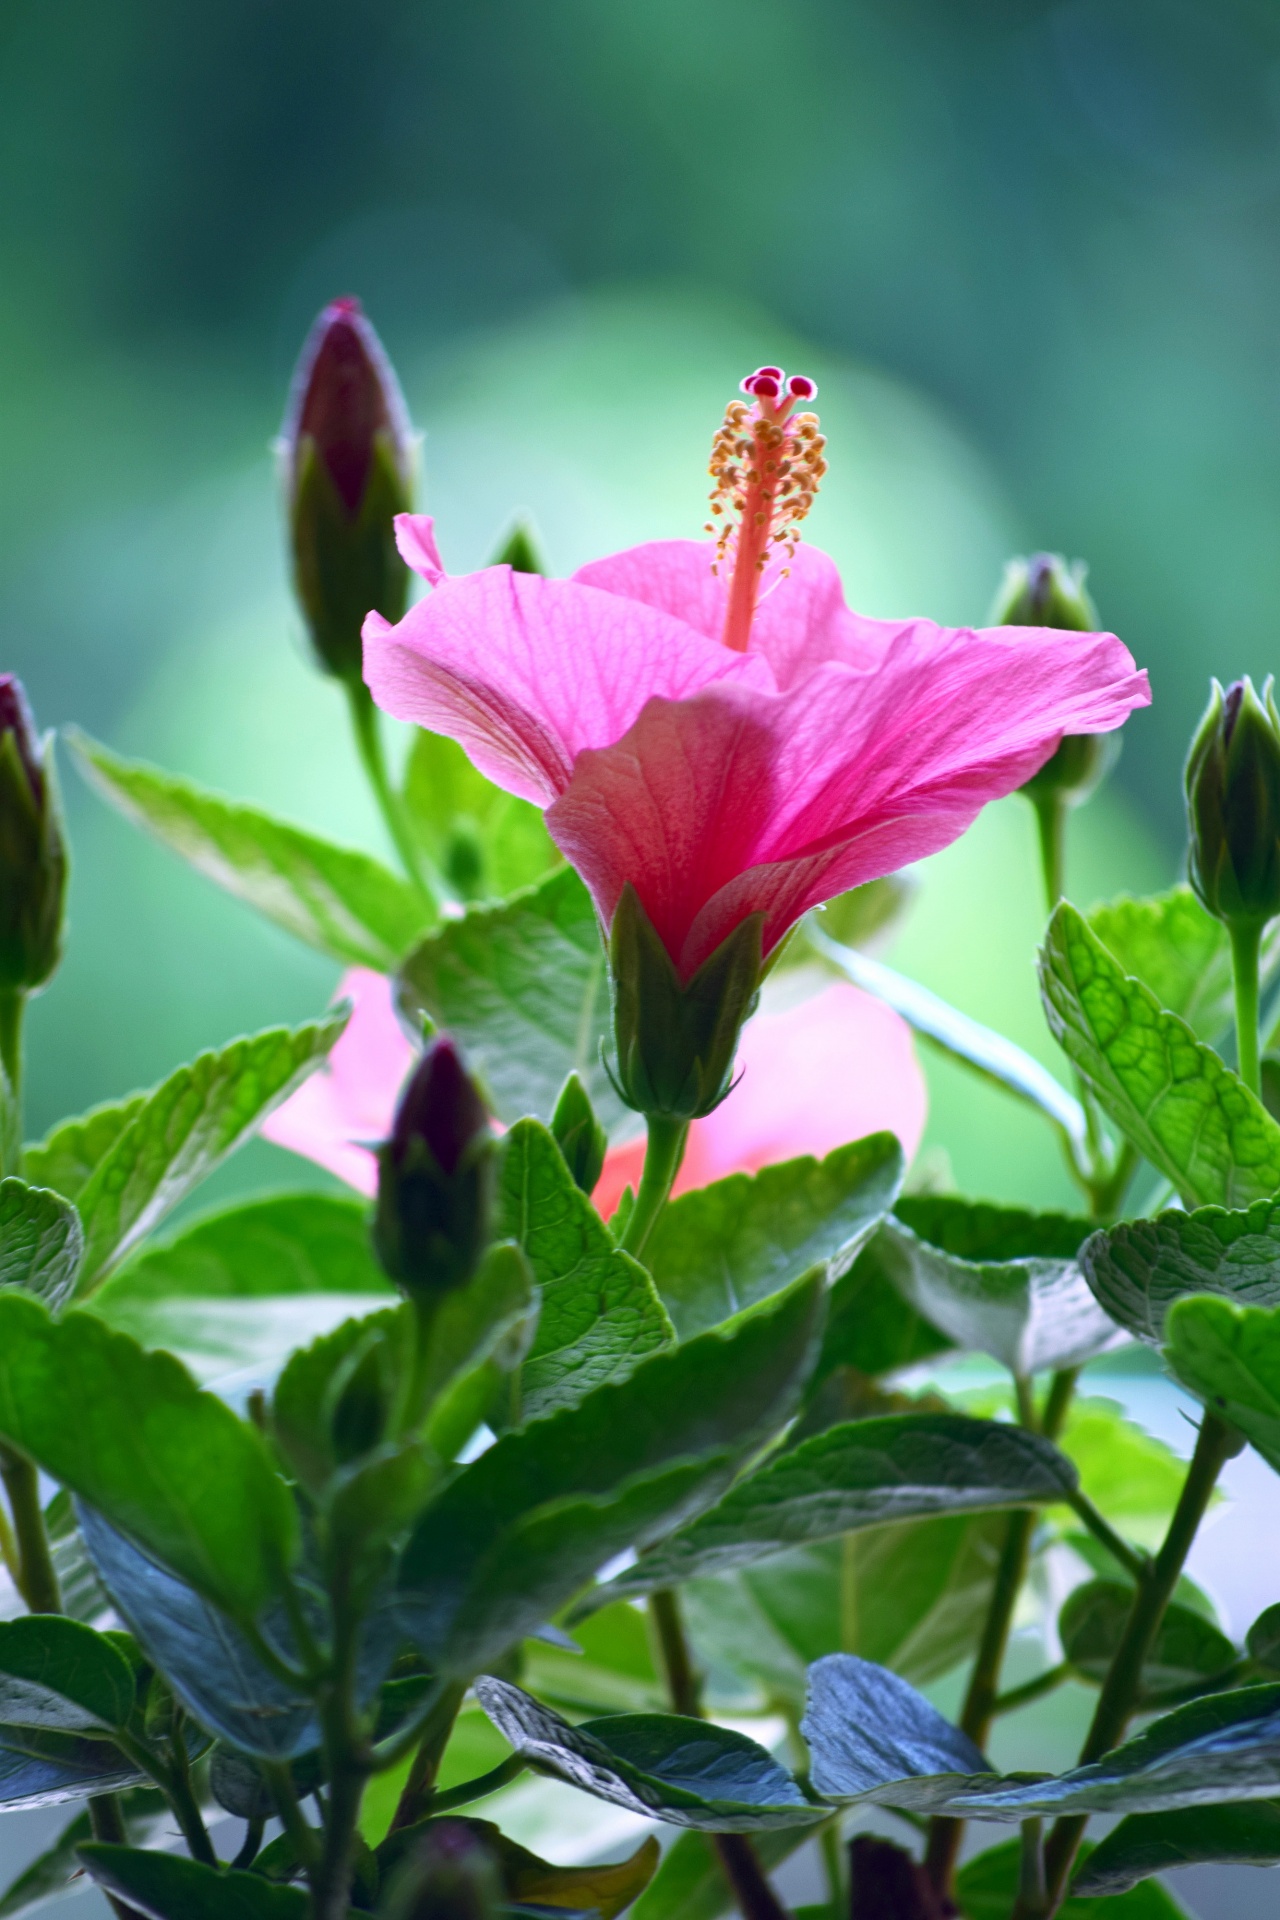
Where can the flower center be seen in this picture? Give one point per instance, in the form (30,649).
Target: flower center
(766,462)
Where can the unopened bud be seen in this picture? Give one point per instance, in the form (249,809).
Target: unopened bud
(579,1135)
(674,1039)
(1048,591)
(435,1178)
(347,451)
(33,857)
(1233,805)
(450,1875)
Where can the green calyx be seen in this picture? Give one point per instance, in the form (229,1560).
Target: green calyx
(579,1135)
(1232,785)
(345,565)
(675,1040)
(431,1227)
(33,870)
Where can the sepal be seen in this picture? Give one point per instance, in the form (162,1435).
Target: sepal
(675,1040)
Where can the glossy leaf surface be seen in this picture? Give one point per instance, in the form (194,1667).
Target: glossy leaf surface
(726,1246)
(337,899)
(1140,1267)
(41,1241)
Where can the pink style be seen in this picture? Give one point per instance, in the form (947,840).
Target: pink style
(835,1067)
(709,721)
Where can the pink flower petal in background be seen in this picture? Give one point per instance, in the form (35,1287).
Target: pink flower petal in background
(351,1096)
(831,1069)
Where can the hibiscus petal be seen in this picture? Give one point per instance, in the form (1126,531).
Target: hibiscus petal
(351,1096)
(801,617)
(416,542)
(526,673)
(736,802)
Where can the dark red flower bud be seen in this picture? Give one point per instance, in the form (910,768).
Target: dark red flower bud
(436,1178)
(33,857)
(347,450)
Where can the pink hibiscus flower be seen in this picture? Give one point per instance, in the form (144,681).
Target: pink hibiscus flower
(708,720)
(831,1069)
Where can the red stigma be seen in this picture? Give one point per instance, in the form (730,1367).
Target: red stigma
(801,387)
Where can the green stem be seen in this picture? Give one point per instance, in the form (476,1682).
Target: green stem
(1032,1689)
(1136,1565)
(251,1845)
(183,1802)
(978,1712)
(107,1823)
(347,1762)
(1246,940)
(481,1787)
(1051,821)
(13,1003)
(289,1810)
(1215,1445)
(661,1165)
(432,1738)
(738,1858)
(368,733)
(39,1582)
(1031,1887)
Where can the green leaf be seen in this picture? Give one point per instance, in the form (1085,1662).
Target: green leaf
(65,1158)
(1246,1834)
(603,1890)
(1139,1268)
(341,901)
(41,1241)
(689,1773)
(868,1732)
(987,1887)
(1168,1093)
(178,1133)
(1019,1295)
(862,1474)
(1225,1747)
(40,1768)
(870,1327)
(484,841)
(131,1433)
(206,1659)
(690,1883)
(1188,1650)
(912,1596)
(600,1314)
(961,1038)
(1134,1478)
(244,1287)
(1177,949)
(165,1886)
(521,1531)
(523,986)
(723,1247)
(56,1673)
(1229,1357)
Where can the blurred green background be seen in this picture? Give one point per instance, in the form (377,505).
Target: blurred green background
(1030,252)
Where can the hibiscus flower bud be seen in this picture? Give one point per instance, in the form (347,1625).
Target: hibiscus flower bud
(451,1874)
(1048,591)
(675,1040)
(347,453)
(1233,805)
(33,857)
(435,1178)
(579,1135)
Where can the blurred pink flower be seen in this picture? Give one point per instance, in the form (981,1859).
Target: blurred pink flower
(831,1069)
(710,722)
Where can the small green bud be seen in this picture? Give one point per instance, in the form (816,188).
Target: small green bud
(436,1178)
(519,551)
(33,855)
(1048,591)
(347,452)
(451,1874)
(359,1399)
(579,1135)
(675,1041)
(1233,805)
